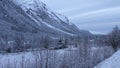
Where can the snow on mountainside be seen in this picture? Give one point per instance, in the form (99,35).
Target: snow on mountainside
(33,16)
(33,4)
(112,62)
(62,17)
(39,12)
(37,4)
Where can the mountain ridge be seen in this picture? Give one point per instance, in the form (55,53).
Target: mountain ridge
(35,17)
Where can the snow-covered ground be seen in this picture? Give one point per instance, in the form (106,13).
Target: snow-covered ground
(63,58)
(35,58)
(112,62)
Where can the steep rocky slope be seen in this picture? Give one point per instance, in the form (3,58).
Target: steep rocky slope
(31,19)
(33,16)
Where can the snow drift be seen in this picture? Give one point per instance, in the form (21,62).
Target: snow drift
(112,62)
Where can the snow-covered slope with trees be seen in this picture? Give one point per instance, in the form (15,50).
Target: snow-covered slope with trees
(41,14)
(112,62)
(35,17)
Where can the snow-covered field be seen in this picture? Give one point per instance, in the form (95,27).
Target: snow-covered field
(36,59)
(112,62)
(63,58)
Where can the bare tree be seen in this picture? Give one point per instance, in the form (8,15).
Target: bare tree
(22,61)
(77,41)
(66,42)
(15,64)
(19,40)
(38,59)
(114,38)
(46,41)
(8,63)
(84,53)
(5,38)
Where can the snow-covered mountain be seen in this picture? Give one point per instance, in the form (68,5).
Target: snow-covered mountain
(35,17)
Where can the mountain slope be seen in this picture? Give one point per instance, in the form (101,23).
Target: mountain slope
(33,16)
(40,13)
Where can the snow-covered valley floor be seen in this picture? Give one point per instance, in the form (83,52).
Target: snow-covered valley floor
(35,59)
(63,58)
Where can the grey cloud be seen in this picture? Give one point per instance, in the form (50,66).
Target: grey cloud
(99,16)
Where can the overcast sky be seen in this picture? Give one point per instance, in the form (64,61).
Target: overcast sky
(97,16)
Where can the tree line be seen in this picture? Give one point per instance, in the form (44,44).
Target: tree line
(113,38)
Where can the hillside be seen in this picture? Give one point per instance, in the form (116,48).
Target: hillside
(112,62)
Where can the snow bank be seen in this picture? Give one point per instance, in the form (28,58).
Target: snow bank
(112,62)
